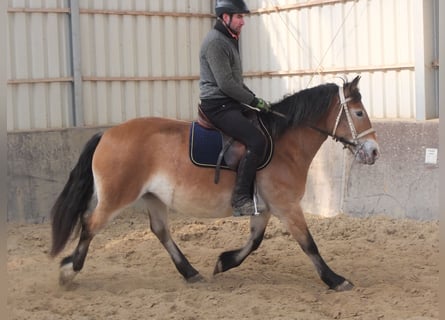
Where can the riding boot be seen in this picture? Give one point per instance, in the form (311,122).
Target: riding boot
(242,198)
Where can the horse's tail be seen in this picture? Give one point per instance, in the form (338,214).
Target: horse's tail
(74,199)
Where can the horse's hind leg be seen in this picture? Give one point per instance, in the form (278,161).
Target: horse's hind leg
(298,228)
(90,225)
(71,265)
(159,226)
(231,259)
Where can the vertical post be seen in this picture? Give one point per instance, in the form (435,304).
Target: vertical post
(442,109)
(4,179)
(441,59)
(435,64)
(77,111)
(425,72)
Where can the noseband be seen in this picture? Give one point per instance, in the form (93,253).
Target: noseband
(344,107)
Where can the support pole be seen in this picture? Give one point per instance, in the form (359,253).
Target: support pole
(426,71)
(77,109)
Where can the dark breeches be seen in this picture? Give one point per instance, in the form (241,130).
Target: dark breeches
(230,119)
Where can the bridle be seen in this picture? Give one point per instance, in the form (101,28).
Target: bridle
(355,137)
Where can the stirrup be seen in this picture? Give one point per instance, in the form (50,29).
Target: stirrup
(259,205)
(247,209)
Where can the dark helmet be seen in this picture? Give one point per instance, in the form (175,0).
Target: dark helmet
(230,7)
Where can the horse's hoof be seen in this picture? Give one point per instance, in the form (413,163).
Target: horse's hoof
(344,286)
(218,267)
(66,275)
(196,279)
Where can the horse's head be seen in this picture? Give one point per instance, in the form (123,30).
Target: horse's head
(351,124)
(331,110)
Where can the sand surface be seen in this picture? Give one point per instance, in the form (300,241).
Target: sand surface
(394,265)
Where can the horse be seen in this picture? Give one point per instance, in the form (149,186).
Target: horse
(147,159)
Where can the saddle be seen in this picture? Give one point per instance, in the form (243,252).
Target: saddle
(209,147)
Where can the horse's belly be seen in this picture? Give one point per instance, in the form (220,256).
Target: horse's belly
(191,199)
(199,202)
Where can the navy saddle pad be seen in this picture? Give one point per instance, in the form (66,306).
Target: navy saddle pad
(205,146)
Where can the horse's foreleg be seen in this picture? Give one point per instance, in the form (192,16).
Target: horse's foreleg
(333,280)
(298,228)
(231,259)
(159,226)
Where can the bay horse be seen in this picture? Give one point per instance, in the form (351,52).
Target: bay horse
(147,158)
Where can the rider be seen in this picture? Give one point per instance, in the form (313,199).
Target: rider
(224,97)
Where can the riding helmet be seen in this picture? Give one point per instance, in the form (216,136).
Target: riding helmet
(230,7)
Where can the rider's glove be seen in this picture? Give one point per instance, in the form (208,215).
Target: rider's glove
(263,105)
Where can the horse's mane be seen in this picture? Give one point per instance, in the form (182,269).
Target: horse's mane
(301,108)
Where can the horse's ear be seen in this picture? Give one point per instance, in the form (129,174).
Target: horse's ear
(354,83)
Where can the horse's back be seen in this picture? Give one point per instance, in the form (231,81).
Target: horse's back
(142,128)
(137,135)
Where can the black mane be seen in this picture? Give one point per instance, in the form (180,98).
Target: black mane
(301,108)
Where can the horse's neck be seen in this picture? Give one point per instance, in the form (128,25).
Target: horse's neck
(301,144)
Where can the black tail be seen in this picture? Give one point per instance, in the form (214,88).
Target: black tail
(74,199)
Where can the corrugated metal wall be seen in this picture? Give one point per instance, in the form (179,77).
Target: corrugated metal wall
(308,43)
(140,58)
(39,72)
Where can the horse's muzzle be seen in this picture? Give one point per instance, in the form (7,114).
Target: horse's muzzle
(367,152)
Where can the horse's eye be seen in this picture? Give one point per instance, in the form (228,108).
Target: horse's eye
(359,113)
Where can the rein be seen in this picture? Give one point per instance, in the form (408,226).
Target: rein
(344,141)
(344,107)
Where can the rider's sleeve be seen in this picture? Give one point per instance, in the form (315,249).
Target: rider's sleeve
(227,74)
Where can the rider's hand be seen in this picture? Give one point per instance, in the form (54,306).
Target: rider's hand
(263,105)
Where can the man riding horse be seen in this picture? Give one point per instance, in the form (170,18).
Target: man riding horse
(225,98)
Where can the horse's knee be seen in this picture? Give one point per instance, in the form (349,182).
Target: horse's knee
(158,225)
(160,231)
(305,240)
(299,230)
(258,228)
(308,245)
(256,241)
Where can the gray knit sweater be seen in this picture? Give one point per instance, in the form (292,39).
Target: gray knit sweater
(221,70)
